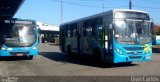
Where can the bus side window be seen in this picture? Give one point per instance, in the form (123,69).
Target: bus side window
(89,31)
(74,31)
(64,31)
(68,32)
(89,27)
(98,26)
(81,31)
(71,30)
(106,26)
(84,29)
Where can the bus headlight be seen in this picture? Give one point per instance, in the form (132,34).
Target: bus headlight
(148,57)
(3,48)
(35,47)
(119,51)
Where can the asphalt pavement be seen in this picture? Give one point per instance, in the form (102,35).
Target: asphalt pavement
(52,62)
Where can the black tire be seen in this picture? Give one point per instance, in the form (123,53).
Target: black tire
(128,63)
(30,57)
(1,58)
(69,53)
(97,55)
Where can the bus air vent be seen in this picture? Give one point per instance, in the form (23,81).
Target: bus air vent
(133,48)
(135,57)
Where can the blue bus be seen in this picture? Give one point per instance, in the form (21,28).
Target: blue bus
(18,37)
(116,36)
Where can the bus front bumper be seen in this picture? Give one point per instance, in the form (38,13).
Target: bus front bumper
(131,58)
(18,52)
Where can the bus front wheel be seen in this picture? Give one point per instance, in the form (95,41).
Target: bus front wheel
(30,57)
(128,63)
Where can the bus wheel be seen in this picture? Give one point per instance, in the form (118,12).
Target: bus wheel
(97,55)
(69,53)
(30,57)
(128,63)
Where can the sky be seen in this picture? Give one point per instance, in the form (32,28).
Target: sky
(49,11)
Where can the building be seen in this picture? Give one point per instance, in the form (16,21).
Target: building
(48,33)
(8,8)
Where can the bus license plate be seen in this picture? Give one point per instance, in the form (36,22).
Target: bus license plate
(19,54)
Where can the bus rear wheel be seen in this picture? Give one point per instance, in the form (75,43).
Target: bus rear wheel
(97,55)
(69,52)
(30,57)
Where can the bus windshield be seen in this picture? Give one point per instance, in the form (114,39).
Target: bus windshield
(18,35)
(132,32)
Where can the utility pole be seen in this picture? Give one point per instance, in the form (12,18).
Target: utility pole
(103,4)
(130,4)
(61,11)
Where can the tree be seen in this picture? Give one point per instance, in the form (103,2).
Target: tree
(156,29)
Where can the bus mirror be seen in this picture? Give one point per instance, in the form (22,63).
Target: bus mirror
(39,30)
(152,24)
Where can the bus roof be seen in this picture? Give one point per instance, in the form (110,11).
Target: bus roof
(129,10)
(103,13)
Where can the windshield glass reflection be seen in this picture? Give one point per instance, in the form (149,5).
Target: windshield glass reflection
(132,32)
(19,35)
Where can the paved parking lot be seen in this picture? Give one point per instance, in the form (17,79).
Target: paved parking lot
(51,62)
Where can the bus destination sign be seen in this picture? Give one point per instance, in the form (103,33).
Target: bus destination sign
(17,22)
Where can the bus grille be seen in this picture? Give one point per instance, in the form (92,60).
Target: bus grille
(135,57)
(133,48)
(135,53)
